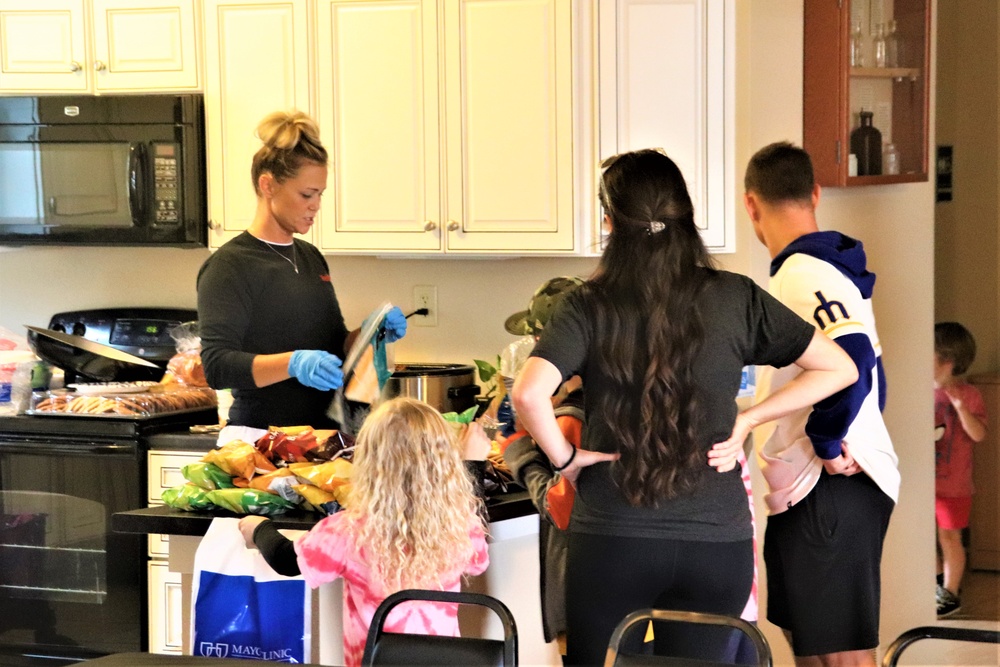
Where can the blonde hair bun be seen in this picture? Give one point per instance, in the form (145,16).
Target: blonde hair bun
(284,130)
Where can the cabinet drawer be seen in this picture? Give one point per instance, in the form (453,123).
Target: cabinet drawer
(164,472)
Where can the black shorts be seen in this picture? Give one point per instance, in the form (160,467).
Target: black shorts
(823,565)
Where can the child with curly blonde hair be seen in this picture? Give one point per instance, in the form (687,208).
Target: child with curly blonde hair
(411,522)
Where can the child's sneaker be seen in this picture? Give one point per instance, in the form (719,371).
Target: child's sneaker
(947,602)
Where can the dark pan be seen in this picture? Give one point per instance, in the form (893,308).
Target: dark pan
(89,359)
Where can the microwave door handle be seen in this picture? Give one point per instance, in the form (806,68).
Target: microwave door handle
(137,178)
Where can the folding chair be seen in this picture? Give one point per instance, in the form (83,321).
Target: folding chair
(390,648)
(615,658)
(906,639)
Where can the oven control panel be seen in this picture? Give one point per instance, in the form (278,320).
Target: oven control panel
(143,332)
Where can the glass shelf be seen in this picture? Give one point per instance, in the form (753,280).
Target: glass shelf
(898,73)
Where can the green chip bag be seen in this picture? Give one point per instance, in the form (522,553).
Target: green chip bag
(207,475)
(189,497)
(249,501)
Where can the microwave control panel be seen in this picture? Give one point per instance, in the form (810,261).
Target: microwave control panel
(165,170)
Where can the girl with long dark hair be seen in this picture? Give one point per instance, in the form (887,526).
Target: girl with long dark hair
(660,338)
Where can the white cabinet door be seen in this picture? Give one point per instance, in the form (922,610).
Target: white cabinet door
(138,47)
(163,471)
(257,62)
(666,81)
(509,121)
(378,109)
(166,625)
(43,46)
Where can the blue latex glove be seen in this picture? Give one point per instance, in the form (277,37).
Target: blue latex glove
(395,325)
(316,369)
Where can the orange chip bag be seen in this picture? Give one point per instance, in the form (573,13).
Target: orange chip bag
(263,482)
(240,459)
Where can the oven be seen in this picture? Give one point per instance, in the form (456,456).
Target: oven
(70,587)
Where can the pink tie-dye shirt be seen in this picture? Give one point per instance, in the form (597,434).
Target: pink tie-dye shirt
(328,552)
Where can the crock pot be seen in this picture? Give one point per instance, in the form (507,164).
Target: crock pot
(447,387)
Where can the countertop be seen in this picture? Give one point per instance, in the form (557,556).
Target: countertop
(182,441)
(170,521)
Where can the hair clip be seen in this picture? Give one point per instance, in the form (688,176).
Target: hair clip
(655,227)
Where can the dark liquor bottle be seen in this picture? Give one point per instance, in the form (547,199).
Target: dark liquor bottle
(866,143)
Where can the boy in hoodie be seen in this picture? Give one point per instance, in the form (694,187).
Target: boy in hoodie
(831,471)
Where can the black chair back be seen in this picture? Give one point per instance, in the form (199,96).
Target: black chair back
(390,648)
(615,658)
(896,648)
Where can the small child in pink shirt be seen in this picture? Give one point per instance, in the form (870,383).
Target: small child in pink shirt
(959,422)
(411,522)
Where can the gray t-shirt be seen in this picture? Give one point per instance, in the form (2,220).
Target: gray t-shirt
(744,325)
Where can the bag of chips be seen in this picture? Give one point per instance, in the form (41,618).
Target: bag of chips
(327,476)
(188,497)
(239,459)
(249,501)
(207,475)
(298,444)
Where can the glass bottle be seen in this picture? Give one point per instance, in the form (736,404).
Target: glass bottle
(879,45)
(890,159)
(892,54)
(866,143)
(857,53)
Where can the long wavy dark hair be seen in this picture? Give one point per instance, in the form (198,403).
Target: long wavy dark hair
(649,326)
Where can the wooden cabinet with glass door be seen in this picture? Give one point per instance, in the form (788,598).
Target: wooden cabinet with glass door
(866,62)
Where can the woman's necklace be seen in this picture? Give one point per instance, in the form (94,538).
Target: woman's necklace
(293,261)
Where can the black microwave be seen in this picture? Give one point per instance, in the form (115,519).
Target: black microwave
(108,170)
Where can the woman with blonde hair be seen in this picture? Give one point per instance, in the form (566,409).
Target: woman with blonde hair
(270,323)
(411,522)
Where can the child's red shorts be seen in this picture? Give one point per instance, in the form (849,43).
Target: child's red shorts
(952,513)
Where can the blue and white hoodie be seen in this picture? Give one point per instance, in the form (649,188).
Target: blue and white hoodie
(822,277)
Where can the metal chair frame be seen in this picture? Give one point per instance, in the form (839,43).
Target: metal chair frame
(644,615)
(905,640)
(375,631)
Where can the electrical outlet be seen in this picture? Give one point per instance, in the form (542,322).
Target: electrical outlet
(425,296)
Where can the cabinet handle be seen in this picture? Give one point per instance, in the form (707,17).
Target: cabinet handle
(75,66)
(430,226)
(99,66)
(453,226)
(213,225)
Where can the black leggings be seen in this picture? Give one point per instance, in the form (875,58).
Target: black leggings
(609,577)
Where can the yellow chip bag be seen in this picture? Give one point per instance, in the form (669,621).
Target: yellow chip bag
(327,476)
(240,459)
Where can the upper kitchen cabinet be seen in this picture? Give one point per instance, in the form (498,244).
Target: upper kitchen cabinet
(97,46)
(257,62)
(666,81)
(451,125)
(866,90)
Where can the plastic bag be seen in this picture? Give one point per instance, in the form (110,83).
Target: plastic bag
(16,364)
(241,608)
(185,366)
